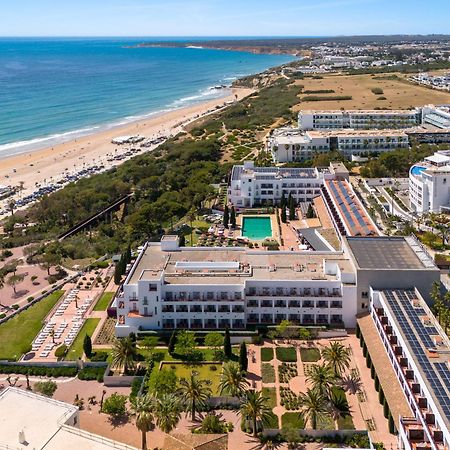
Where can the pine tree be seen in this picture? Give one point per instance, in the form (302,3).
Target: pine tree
(283,201)
(117,274)
(243,359)
(87,346)
(283,214)
(172,341)
(233,217)
(227,344)
(128,255)
(226,216)
(291,207)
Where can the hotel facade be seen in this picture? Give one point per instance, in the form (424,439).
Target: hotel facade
(172,287)
(429,183)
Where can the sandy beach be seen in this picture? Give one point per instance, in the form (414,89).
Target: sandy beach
(48,165)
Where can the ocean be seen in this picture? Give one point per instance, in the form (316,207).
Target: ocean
(53,90)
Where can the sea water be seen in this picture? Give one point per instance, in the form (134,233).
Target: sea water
(52,90)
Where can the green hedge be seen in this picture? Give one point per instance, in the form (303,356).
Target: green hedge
(39,371)
(92,373)
(267,373)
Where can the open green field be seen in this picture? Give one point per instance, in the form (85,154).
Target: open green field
(205,372)
(104,301)
(76,349)
(17,334)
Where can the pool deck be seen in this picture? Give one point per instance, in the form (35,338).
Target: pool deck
(273,225)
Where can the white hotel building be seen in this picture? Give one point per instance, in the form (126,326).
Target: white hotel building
(429,183)
(172,287)
(250,186)
(293,144)
(418,350)
(358,119)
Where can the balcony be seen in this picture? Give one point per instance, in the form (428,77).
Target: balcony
(238,309)
(224,323)
(279,318)
(168,309)
(195,309)
(322,319)
(182,309)
(280,304)
(238,323)
(295,318)
(210,323)
(253,318)
(167,324)
(196,324)
(224,309)
(266,318)
(308,304)
(253,303)
(266,304)
(294,304)
(322,304)
(336,304)
(210,309)
(182,323)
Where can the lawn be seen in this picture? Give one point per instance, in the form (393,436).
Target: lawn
(205,372)
(286,354)
(163,354)
(345,423)
(271,394)
(292,420)
(267,373)
(76,349)
(17,334)
(104,301)
(266,354)
(326,422)
(309,354)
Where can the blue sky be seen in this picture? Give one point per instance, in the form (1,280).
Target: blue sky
(222,17)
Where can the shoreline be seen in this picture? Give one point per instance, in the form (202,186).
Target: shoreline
(50,164)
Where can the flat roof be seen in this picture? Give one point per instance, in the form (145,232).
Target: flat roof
(389,253)
(246,265)
(359,111)
(37,416)
(421,332)
(263,173)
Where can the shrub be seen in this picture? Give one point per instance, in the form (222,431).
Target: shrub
(46,388)
(2,315)
(99,356)
(115,405)
(286,354)
(30,299)
(321,98)
(15,307)
(377,91)
(61,351)
(257,339)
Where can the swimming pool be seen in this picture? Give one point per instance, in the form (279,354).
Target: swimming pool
(417,170)
(256,228)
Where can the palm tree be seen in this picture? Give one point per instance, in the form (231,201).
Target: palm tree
(123,354)
(337,357)
(194,393)
(232,381)
(255,407)
(314,406)
(168,412)
(142,407)
(322,378)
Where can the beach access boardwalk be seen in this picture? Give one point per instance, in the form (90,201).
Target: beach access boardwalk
(90,220)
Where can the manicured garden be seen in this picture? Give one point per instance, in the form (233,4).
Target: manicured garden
(271,394)
(286,354)
(104,301)
(266,354)
(309,354)
(206,371)
(17,334)
(76,349)
(267,373)
(292,420)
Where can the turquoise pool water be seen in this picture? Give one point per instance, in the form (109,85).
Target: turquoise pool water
(256,228)
(417,170)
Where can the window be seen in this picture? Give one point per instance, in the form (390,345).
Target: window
(364,294)
(152,287)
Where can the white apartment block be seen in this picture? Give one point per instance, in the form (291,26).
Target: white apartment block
(254,186)
(429,183)
(293,144)
(437,116)
(418,350)
(357,119)
(172,287)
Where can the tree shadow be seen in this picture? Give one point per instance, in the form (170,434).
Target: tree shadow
(21,293)
(351,384)
(119,421)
